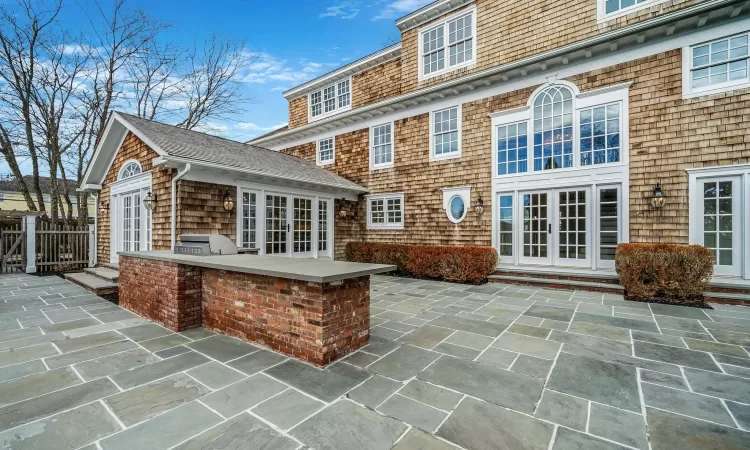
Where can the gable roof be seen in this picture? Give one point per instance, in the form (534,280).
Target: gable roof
(199,148)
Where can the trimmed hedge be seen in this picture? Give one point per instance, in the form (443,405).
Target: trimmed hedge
(672,271)
(468,264)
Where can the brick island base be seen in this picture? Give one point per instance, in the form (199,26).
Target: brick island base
(315,322)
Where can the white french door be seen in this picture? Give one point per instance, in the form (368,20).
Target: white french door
(537,228)
(555,227)
(130,223)
(292,225)
(302,227)
(721,222)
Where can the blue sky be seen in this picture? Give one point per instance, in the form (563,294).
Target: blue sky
(293,41)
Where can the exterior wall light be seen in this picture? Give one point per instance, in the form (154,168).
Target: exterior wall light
(103,207)
(228,202)
(149,201)
(342,208)
(657,198)
(479,207)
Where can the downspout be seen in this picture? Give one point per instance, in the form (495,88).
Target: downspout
(177,178)
(96,227)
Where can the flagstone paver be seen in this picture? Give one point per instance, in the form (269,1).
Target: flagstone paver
(448,366)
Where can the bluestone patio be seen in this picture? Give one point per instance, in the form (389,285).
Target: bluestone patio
(448,366)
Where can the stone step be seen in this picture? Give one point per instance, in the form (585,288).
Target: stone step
(727,298)
(558,283)
(92,283)
(609,278)
(105,273)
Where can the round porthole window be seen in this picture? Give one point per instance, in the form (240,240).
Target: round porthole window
(456,209)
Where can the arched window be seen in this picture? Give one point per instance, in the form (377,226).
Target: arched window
(553,128)
(129,169)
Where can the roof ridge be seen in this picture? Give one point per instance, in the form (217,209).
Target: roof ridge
(192,131)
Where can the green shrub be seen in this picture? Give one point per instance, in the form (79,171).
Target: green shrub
(463,264)
(676,271)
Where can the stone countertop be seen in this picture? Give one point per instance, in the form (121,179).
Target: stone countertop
(315,270)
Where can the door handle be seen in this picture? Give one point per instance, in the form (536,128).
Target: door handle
(288,227)
(549,228)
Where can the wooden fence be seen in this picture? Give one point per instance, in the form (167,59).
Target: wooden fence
(32,244)
(61,247)
(12,246)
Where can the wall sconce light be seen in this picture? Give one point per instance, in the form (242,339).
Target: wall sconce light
(103,207)
(657,198)
(342,208)
(228,202)
(479,206)
(149,201)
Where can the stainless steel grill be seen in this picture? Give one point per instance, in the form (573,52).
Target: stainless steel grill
(205,245)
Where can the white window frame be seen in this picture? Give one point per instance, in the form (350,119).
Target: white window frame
(336,108)
(446,46)
(374,166)
(385,198)
(601,9)
(464,193)
(125,165)
(457,154)
(326,162)
(687,68)
(581,100)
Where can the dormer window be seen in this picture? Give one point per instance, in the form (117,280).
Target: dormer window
(448,45)
(330,100)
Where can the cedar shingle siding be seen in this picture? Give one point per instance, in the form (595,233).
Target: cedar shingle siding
(134,148)
(667,135)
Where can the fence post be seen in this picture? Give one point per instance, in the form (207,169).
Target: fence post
(30,225)
(92,247)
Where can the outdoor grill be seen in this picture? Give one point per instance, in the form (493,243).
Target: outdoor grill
(205,245)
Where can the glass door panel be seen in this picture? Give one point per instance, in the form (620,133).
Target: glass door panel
(536,227)
(609,225)
(302,227)
(324,234)
(572,217)
(720,223)
(277,228)
(249,223)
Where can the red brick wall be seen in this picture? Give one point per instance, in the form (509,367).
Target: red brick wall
(315,322)
(164,292)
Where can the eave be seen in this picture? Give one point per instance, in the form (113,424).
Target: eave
(360,65)
(659,28)
(429,12)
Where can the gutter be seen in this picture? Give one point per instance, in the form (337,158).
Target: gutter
(176,178)
(700,8)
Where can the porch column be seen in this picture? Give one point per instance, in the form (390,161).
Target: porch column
(29,225)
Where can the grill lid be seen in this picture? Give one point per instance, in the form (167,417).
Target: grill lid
(205,244)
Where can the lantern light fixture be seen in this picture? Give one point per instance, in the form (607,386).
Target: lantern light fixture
(228,202)
(103,207)
(657,198)
(479,206)
(342,208)
(149,201)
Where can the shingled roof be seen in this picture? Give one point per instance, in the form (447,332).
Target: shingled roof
(200,147)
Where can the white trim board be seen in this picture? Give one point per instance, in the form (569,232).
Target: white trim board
(573,69)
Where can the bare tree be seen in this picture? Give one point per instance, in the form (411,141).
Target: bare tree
(154,80)
(58,88)
(211,87)
(20,42)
